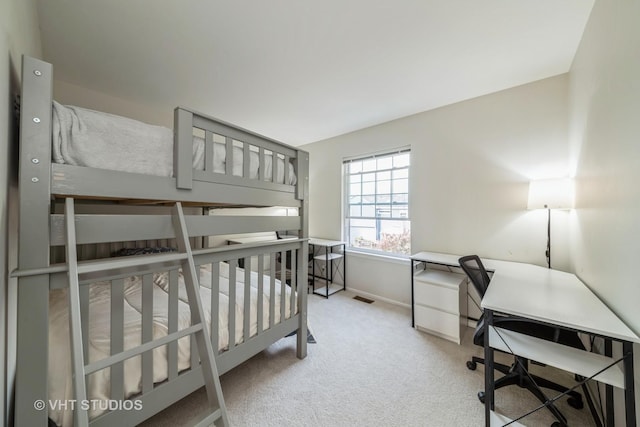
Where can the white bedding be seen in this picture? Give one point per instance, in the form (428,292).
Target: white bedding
(83,137)
(98,386)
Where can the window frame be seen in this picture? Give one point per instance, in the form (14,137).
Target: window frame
(348,217)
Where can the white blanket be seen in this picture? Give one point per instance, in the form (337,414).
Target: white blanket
(98,387)
(83,137)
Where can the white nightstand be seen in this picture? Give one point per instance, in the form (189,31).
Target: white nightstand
(440,303)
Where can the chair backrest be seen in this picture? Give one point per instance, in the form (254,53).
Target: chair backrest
(476,272)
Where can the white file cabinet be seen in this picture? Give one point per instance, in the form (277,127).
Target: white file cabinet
(440,303)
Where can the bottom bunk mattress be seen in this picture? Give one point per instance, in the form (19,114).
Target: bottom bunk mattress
(98,384)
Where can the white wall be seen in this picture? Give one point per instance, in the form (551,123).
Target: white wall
(605,143)
(18,34)
(471,164)
(605,132)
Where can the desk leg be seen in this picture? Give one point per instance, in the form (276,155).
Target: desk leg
(413,315)
(329,267)
(344,267)
(629,386)
(313,268)
(488,369)
(609,417)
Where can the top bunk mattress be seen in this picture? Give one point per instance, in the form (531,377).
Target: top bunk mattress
(83,137)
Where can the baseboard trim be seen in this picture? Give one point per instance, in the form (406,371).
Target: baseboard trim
(470,323)
(378,297)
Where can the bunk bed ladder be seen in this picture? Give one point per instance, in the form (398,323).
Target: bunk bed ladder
(218,414)
(80,415)
(203,339)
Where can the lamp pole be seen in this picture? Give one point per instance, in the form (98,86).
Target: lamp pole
(550,194)
(548,252)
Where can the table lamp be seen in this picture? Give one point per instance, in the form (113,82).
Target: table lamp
(550,194)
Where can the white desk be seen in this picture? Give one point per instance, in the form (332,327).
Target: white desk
(561,299)
(552,296)
(556,298)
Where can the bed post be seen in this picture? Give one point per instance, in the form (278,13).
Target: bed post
(183,148)
(303,257)
(33,244)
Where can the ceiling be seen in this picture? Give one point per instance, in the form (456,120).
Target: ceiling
(300,70)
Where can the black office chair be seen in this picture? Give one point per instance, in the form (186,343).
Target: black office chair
(518,373)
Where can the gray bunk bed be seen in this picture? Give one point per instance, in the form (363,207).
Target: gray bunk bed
(174,321)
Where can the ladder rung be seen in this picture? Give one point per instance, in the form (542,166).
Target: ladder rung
(120,357)
(135,261)
(209,419)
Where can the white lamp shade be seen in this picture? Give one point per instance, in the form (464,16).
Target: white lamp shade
(551,194)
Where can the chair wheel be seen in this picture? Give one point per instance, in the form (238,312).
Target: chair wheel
(556,424)
(575,402)
(471,365)
(481,396)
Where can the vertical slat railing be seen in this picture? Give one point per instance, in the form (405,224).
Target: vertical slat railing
(84,316)
(293,281)
(246,313)
(172,314)
(286,173)
(246,161)
(232,303)
(274,166)
(117,338)
(272,292)
(215,304)
(229,156)
(208,151)
(283,280)
(147,332)
(260,310)
(261,164)
(195,359)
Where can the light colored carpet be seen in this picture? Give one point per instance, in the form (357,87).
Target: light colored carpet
(368,368)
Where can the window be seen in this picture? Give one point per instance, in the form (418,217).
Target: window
(377,202)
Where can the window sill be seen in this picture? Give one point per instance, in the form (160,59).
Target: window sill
(395,259)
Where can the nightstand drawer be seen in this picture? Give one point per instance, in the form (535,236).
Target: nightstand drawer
(441,278)
(435,321)
(436,296)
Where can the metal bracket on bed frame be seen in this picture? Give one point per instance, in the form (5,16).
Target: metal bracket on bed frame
(218,414)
